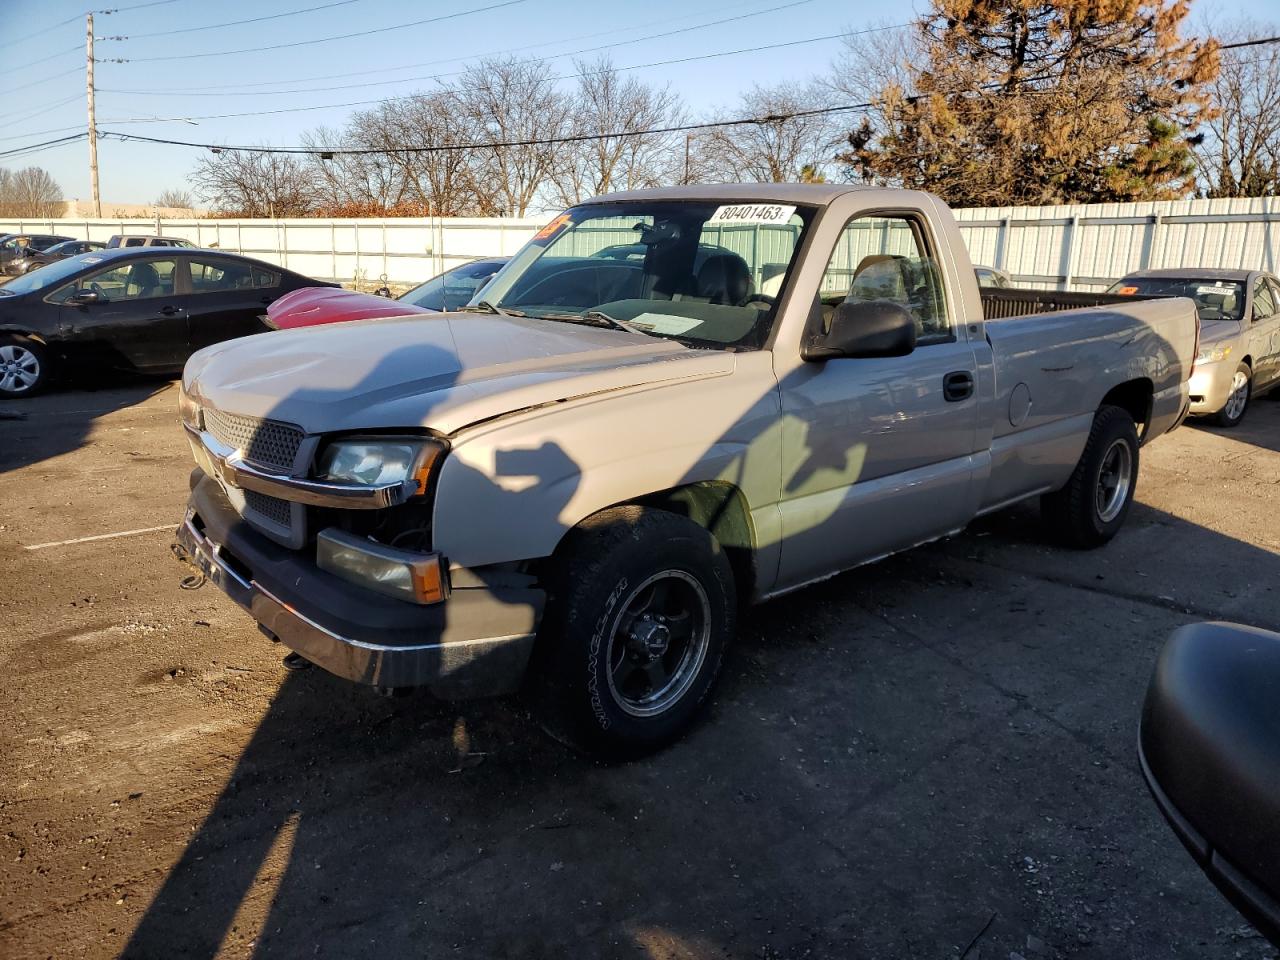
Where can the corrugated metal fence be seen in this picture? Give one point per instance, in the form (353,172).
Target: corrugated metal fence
(1077,247)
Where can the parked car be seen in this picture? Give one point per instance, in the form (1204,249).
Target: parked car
(15,246)
(1209,748)
(1239,356)
(445,291)
(992,277)
(146,240)
(140,308)
(35,259)
(455,287)
(592,467)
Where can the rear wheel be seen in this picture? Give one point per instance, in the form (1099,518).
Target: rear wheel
(1092,507)
(1238,400)
(642,608)
(24,366)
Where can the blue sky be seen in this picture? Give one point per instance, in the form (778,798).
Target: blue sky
(192,82)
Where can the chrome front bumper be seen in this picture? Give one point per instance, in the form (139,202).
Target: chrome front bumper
(475,644)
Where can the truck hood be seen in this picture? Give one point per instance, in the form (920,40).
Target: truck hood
(439,371)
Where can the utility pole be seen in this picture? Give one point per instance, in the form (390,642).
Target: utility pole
(93,123)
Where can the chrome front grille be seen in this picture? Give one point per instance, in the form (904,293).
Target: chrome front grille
(269,443)
(273,445)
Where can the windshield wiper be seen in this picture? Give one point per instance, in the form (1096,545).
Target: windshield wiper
(595,318)
(484,306)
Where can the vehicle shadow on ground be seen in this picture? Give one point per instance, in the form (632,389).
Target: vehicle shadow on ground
(25,434)
(873,775)
(1260,427)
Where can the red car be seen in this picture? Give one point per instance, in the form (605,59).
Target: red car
(448,291)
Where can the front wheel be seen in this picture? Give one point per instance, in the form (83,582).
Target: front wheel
(24,366)
(1238,399)
(1091,508)
(643,605)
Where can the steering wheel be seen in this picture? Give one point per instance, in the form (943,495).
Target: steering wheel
(764,298)
(96,288)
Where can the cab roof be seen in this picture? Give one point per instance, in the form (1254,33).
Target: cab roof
(819,194)
(1192,273)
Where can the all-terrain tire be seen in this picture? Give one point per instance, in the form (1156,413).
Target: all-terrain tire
(1092,507)
(604,625)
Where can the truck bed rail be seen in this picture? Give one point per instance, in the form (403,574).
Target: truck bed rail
(1000,303)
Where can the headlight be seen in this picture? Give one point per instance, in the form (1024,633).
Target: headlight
(379,461)
(1213,352)
(189,409)
(416,577)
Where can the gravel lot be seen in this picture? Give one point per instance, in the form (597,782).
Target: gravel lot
(930,754)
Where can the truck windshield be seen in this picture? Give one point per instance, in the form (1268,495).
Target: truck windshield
(701,272)
(1215,299)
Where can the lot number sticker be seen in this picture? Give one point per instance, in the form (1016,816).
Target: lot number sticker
(752,213)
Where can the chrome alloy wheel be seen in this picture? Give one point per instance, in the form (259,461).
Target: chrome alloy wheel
(1114,480)
(1238,397)
(659,643)
(19,369)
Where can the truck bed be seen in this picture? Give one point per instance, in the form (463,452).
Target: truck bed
(1001,303)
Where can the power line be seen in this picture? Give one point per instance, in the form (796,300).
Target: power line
(10,118)
(204,89)
(53,56)
(344,36)
(36,133)
(137,6)
(498,144)
(454,73)
(43,80)
(37,147)
(40,33)
(233,23)
(1249,43)
(639,66)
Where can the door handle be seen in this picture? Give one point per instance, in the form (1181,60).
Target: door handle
(957,386)
(169,311)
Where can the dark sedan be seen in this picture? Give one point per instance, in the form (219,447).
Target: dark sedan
(139,308)
(34,259)
(15,246)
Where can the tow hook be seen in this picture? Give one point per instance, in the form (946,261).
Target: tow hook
(193,581)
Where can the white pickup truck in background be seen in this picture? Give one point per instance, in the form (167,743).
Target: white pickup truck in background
(578,481)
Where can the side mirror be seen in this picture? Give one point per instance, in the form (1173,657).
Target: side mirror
(865,328)
(1208,748)
(84,298)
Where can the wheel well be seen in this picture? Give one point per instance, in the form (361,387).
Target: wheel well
(721,509)
(1134,397)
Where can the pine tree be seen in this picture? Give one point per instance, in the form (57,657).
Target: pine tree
(1043,101)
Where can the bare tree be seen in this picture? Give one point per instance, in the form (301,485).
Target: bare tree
(1240,156)
(606,102)
(512,101)
(29,192)
(243,184)
(778,146)
(174,199)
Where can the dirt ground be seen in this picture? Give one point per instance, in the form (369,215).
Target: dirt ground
(930,757)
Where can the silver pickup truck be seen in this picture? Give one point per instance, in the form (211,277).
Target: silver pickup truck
(669,405)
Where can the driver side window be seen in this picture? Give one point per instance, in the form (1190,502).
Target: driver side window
(135,280)
(1264,305)
(888,258)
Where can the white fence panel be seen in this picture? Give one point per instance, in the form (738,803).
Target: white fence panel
(1079,246)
